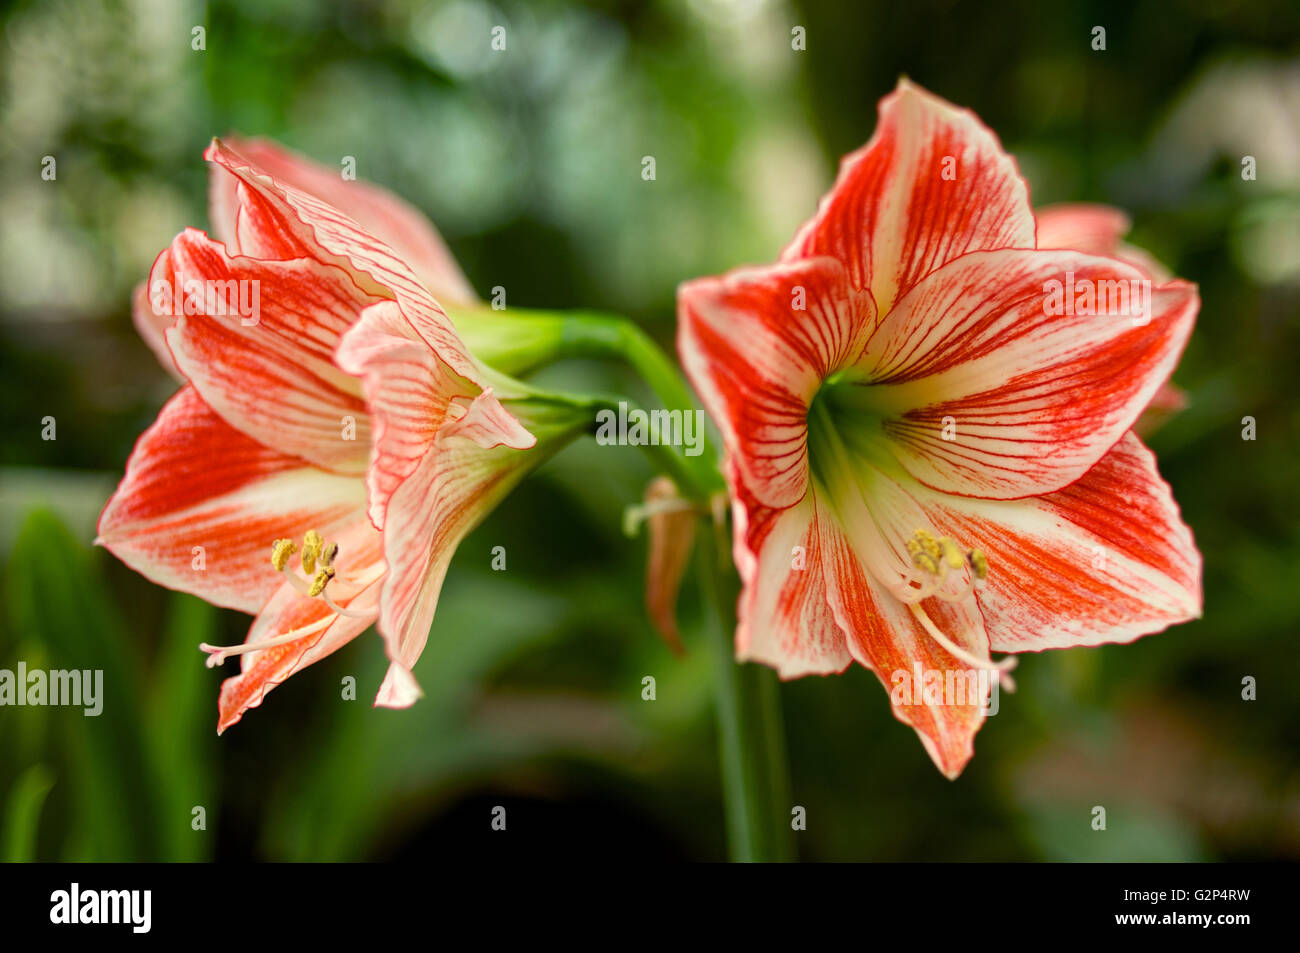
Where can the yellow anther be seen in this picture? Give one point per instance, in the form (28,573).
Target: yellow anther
(329,554)
(926,551)
(281,550)
(929,545)
(951,554)
(311,546)
(927,562)
(320,580)
(979,563)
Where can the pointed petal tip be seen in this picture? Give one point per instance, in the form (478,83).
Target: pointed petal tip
(399,689)
(950,763)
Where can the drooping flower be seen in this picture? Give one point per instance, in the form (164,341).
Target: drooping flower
(328,399)
(928,450)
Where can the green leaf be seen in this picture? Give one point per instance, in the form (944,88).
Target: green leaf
(57,599)
(181,725)
(22,815)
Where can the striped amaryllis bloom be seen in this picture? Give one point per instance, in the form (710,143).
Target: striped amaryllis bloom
(330,447)
(930,459)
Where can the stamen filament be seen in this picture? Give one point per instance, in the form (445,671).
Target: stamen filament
(1002,667)
(340,610)
(296,581)
(217,654)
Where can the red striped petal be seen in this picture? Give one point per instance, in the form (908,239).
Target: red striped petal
(454,486)
(1107,559)
(394,222)
(276,219)
(359,558)
(931,185)
(1096,230)
(1081,226)
(152,328)
(885,636)
(757,344)
(784,619)
(488,424)
(194,481)
(270,373)
(413,397)
(1031,400)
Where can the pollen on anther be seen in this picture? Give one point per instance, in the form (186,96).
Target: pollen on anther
(320,580)
(281,550)
(979,563)
(951,554)
(311,547)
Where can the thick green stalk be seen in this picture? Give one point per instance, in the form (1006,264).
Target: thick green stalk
(751,736)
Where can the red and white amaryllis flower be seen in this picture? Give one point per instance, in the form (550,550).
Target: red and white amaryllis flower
(928,463)
(345,414)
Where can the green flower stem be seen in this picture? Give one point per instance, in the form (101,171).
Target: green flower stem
(755,782)
(519,340)
(751,736)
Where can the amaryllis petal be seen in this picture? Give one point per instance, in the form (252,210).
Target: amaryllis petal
(1095,230)
(152,328)
(1031,398)
(886,636)
(757,343)
(201,503)
(1107,559)
(412,396)
(488,424)
(267,668)
(931,185)
(454,486)
(278,217)
(443,457)
(259,346)
(1084,227)
(783,617)
(391,220)
(399,688)
(880,512)
(355,588)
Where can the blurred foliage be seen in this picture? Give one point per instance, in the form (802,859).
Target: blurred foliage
(529,161)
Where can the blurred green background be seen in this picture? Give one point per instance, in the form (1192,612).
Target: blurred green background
(529,162)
